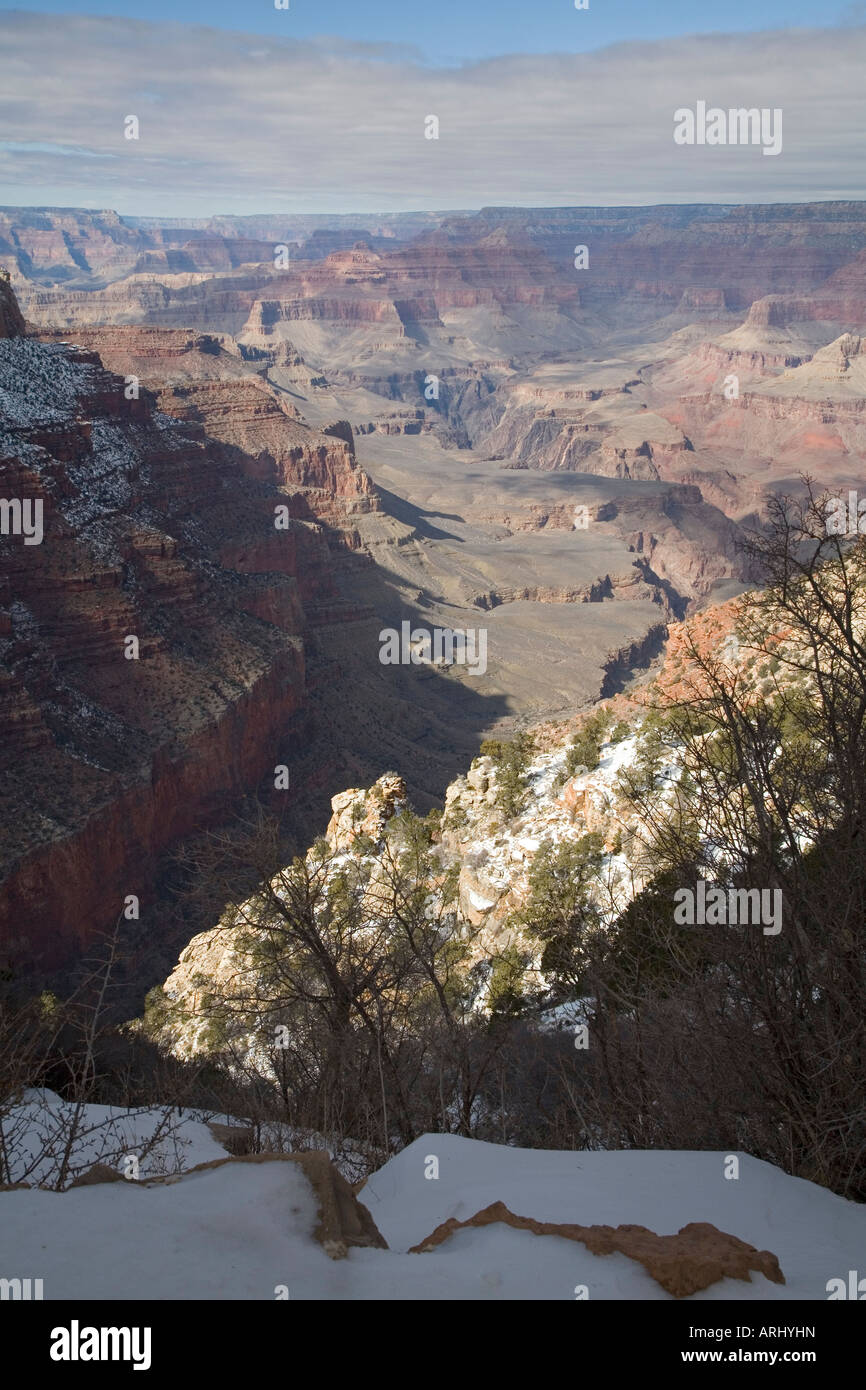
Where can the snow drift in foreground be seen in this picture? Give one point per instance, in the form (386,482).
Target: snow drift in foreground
(244,1230)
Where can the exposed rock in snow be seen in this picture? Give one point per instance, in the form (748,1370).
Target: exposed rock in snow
(685,1263)
(239,1229)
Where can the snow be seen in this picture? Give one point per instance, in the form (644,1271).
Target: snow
(480,904)
(231,1232)
(566,1017)
(618,756)
(41,383)
(241,1230)
(501,855)
(815,1234)
(164,1140)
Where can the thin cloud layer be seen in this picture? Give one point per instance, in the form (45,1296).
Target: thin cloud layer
(239,123)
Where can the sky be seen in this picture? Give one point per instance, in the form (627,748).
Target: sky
(455,31)
(324,107)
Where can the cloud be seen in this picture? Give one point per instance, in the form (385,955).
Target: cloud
(235,123)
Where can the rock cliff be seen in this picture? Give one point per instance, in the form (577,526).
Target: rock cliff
(153,637)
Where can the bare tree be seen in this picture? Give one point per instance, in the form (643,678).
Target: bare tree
(728,1034)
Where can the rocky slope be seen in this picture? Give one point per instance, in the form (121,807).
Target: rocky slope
(680,256)
(490,844)
(504,823)
(155,644)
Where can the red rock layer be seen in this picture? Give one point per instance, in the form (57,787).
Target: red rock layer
(160,529)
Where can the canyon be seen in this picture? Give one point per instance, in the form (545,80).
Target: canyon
(156,532)
(456,427)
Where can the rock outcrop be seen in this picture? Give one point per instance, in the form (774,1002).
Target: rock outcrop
(11,320)
(358,814)
(501,821)
(698,1256)
(344,1223)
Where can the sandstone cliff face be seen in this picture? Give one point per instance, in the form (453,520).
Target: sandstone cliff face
(685,262)
(204,380)
(395,290)
(709,254)
(357,814)
(693,251)
(639,445)
(63,242)
(159,531)
(256,430)
(797,406)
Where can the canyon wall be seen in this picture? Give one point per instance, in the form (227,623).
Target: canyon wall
(153,638)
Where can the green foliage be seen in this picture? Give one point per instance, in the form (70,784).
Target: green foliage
(646,951)
(410,831)
(585,750)
(506,990)
(363,845)
(455,817)
(511,759)
(560,911)
(410,841)
(492,748)
(48,1006)
(653,743)
(156,1010)
(216,1034)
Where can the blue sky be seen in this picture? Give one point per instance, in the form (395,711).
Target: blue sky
(452,31)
